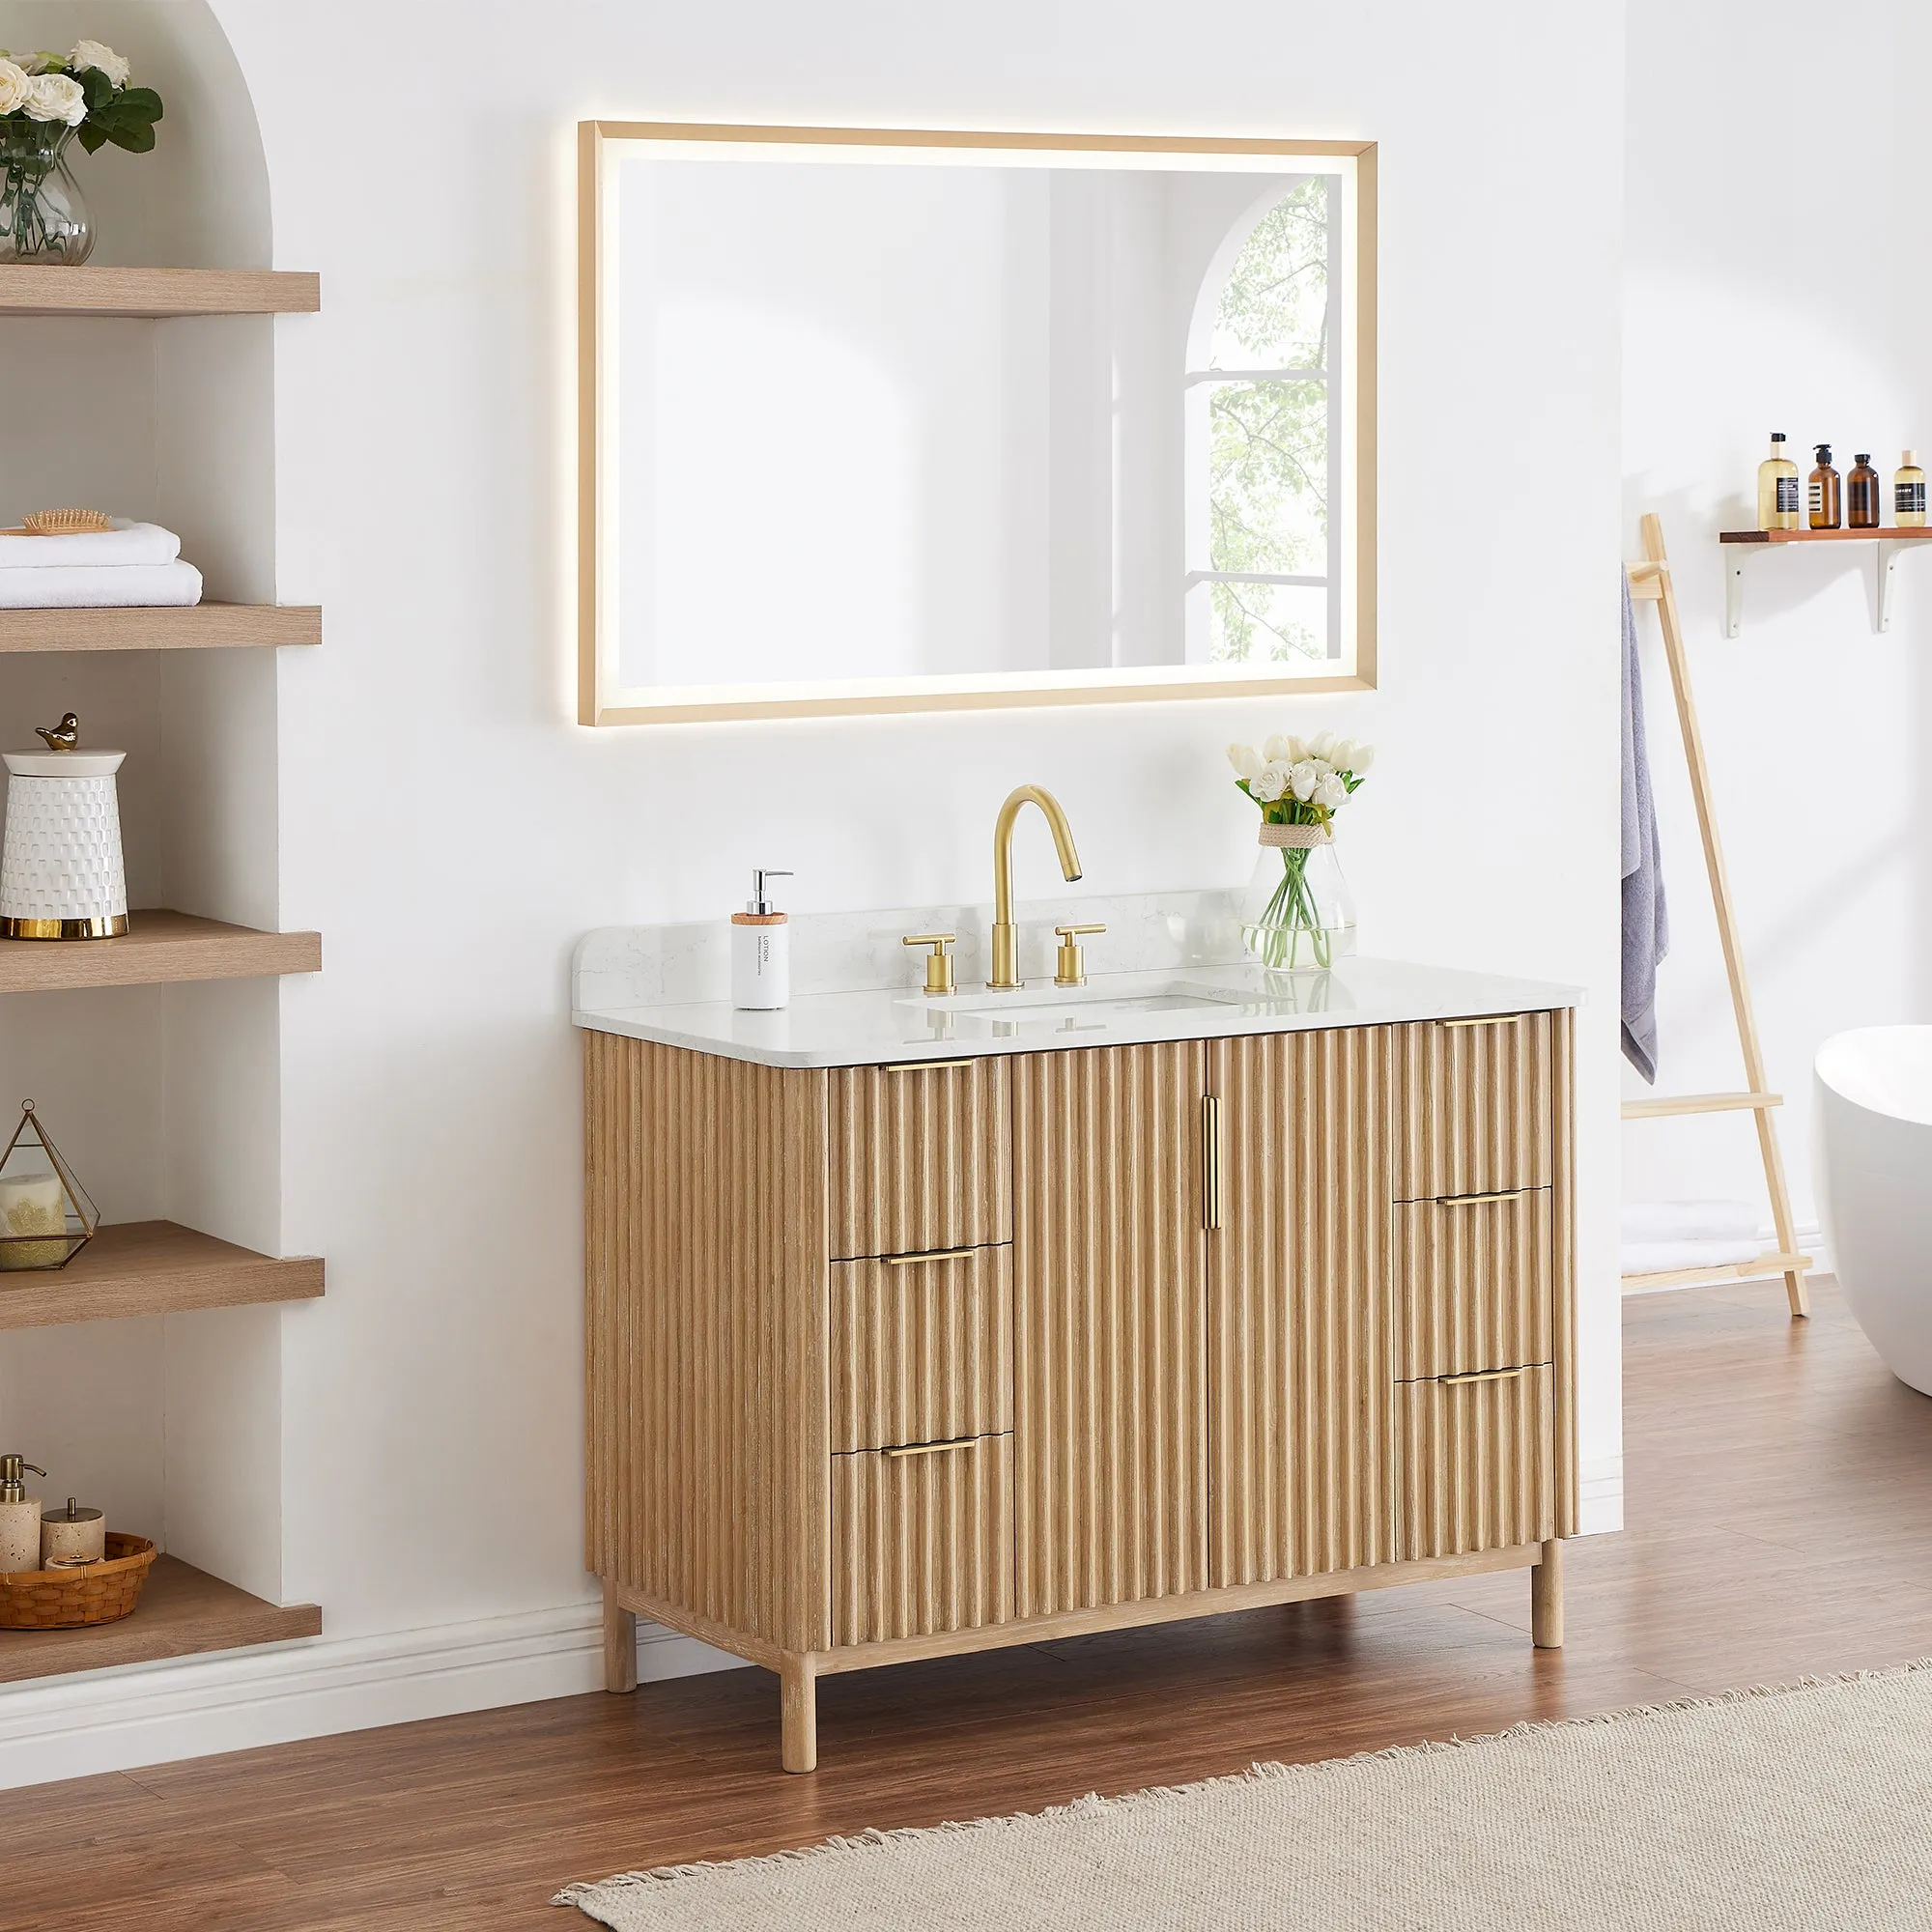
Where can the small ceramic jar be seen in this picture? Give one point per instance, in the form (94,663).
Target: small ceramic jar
(73,1532)
(61,871)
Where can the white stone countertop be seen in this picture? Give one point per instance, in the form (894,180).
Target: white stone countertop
(882,1025)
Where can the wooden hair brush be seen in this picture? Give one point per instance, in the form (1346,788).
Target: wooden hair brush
(61,524)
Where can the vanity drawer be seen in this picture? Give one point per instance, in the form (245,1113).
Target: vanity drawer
(921,1157)
(922,1540)
(1475,1461)
(1474,1105)
(922,1348)
(1472,1284)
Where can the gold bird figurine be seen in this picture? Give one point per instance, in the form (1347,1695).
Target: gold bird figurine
(64,736)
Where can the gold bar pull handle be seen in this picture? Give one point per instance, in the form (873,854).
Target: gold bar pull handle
(923,1066)
(1488,1019)
(1486,1376)
(933,1448)
(931,1255)
(1211,1158)
(1478,1200)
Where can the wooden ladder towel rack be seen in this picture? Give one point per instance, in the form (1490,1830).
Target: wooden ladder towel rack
(1650,582)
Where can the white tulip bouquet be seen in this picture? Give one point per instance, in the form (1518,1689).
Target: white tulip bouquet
(45,101)
(1297,912)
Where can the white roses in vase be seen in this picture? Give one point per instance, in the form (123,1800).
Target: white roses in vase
(1297,914)
(1287,774)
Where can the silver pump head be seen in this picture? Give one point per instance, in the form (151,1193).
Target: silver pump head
(758,903)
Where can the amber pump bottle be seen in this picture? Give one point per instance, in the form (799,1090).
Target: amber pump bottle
(1908,493)
(1862,495)
(1826,505)
(1777,488)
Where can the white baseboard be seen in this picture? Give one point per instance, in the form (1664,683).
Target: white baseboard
(193,1706)
(156,1713)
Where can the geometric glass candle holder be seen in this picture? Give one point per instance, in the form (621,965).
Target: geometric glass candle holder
(45,1217)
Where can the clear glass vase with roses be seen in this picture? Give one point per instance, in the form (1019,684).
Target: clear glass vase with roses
(1298,915)
(47,101)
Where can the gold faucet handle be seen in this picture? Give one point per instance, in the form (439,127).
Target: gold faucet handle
(939,966)
(1073,968)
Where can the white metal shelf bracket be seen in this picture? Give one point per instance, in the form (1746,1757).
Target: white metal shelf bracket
(1886,555)
(1889,555)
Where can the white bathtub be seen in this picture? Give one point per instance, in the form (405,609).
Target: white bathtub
(1874,1135)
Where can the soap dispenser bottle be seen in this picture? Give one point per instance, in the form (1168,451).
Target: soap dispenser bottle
(1826,501)
(760,951)
(19,1517)
(1908,493)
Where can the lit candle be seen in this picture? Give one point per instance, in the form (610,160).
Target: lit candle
(32,1204)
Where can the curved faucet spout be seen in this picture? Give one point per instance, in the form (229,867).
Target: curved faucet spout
(1006,934)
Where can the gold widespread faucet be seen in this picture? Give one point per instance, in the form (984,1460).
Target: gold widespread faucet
(1006,934)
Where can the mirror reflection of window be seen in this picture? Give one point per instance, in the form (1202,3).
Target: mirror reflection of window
(1262,547)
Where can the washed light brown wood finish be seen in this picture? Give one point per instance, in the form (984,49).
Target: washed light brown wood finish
(705,1282)
(1474,1104)
(157,948)
(1472,1284)
(29,289)
(1112,1402)
(804,1459)
(922,1543)
(1475,1461)
(922,1348)
(196,627)
(152,1267)
(1299,1305)
(183,1611)
(922,1157)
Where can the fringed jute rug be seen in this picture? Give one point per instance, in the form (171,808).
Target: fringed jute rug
(1802,1807)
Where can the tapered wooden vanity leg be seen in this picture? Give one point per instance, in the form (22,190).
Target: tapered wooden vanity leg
(798,1713)
(1545,1598)
(620,1642)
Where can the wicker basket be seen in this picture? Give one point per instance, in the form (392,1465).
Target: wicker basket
(40,1600)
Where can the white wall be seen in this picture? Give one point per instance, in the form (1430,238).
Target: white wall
(1776,280)
(451,831)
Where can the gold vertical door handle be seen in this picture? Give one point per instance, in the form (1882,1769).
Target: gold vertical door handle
(1210,1158)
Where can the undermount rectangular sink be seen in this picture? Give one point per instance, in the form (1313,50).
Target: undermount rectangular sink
(1068,1008)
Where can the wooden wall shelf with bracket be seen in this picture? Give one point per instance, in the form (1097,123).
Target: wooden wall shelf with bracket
(1891,544)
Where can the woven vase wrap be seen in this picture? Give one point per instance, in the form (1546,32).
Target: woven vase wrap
(1297,837)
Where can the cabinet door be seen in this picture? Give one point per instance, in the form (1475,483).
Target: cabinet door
(1110,1414)
(1299,1315)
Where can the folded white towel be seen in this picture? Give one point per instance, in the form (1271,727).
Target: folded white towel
(126,546)
(1662,1257)
(1689,1221)
(97,589)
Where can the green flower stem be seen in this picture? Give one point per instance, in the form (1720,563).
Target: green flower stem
(1289,918)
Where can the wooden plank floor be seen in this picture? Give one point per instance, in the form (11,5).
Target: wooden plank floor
(1781,1523)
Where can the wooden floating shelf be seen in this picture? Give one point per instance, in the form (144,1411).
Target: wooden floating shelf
(183,1611)
(156,292)
(152,1267)
(160,948)
(150,628)
(1884,534)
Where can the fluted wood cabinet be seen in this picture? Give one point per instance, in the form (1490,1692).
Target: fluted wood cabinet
(892,1362)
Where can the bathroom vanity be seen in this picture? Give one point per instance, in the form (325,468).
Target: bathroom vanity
(917,1326)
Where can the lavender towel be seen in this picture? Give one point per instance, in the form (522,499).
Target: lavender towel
(1646,925)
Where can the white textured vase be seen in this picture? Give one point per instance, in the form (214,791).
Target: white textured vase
(61,871)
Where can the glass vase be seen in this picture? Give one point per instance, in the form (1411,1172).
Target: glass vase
(1298,915)
(44,216)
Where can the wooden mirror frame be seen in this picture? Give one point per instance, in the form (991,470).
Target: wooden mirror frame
(600,701)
